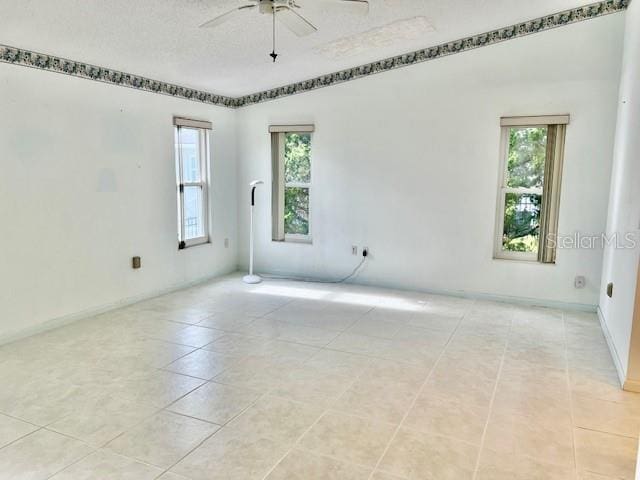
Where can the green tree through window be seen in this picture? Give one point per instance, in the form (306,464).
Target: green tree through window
(525,175)
(297,175)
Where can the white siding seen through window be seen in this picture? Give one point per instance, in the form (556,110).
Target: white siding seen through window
(192,174)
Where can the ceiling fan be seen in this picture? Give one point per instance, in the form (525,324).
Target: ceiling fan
(285,12)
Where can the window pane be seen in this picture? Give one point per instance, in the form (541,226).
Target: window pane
(190,153)
(297,157)
(296,210)
(527,151)
(521,222)
(193,218)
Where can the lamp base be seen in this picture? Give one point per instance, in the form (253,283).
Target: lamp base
(252,279)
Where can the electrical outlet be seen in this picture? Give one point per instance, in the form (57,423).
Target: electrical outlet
(365,251)
(354,249)
(226,243)
(579,282)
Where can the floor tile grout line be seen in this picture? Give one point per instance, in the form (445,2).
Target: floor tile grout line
(335,333)
(92,448)
(571,412)
(157,409)
(295,444)
(266,338)
(164,370)
(276,339)
(133,426)
(212,434)
(214,423)
(179,414)
(144,462)
(269,391)
(72,463)
(222,332)
(437,434)
(619,435)
(225,384)
(318,350)
(491,402)
(202,348)
(206,381)
(357,316)
(331,457)
(419,392)
(225,332)
(21,419)
(255,317)
(335,411)
(373,357)
(98,449)
(21,437)
(326,410)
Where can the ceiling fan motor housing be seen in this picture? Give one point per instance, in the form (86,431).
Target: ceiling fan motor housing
(267,6)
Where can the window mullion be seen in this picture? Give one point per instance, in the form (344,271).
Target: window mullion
(522,190)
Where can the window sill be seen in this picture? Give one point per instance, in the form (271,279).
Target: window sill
(302,239)
(521,260)
(194,242)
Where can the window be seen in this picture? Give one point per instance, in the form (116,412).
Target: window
(529,195)
(192,174)
(291,182)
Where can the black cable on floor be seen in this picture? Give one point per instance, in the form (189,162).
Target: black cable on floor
(312,280)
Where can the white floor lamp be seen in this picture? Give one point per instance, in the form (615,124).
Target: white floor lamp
(251,278)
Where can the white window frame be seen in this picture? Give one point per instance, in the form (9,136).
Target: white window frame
(507,123)
(282,131)
(502,193)
(203,129)
(298,237)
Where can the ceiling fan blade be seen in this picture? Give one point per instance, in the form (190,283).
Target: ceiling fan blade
(294,21)
(226,16)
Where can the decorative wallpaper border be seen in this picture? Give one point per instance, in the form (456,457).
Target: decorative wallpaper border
(431,53)
(52,63)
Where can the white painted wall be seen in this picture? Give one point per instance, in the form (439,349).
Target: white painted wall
(394,155)
(65,246)
(621,265)
(406,163)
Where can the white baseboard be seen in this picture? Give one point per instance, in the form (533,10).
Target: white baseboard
(66,319)
(536,302)
(622,375)
(73,317)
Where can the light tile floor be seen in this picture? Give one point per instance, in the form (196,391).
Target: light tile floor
(288,380)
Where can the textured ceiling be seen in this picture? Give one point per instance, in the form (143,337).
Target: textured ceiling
(160,39)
